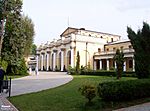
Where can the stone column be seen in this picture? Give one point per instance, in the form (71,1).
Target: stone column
(133,64)
(124,66)
(62,59)
(115,65)
(72,57)
(47,61)
(37,62)
(108,64)
(54,59)
(100,64)
(42,62)
(94,65)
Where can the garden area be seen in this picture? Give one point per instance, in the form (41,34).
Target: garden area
(68,97)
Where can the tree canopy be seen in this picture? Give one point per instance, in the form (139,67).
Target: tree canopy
(141,44)
(18,36)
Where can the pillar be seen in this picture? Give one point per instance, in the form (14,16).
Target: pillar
(72,57)
(54,61)
(100,63)
(37,62)
(42,62)
(115,65)
(133,64)
(124,66)
(47,61)
(94,65)
(107,64)
(62,60)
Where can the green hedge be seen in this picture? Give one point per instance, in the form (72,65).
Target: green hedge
(124,90)
(108,73)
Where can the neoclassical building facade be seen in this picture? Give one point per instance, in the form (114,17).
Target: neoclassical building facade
(96,50)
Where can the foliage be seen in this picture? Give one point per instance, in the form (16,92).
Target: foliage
(71,70)
(107,73)
(140,42)
(4,64)
(124,90)
(28,26)
(78,62)
(18,35)
(119,59)
(33,49)
(89,91)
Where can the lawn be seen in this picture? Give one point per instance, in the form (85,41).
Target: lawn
(64,98)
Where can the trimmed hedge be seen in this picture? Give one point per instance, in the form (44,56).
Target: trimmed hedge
(124,90)
(108,73)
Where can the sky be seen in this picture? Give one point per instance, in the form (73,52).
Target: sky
(52,17)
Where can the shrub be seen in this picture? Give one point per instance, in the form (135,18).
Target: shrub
(124,90)
(71,70)
(89,91)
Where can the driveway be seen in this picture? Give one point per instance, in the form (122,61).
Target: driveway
(35,83)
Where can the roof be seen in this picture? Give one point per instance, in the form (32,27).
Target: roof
(70,30)
(118,42)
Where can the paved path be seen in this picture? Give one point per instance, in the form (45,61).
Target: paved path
(141,107)
(43,81)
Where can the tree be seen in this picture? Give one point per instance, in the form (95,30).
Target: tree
(78,62)
(28,27)
(33,49)
(18,30)
(119,59)
(141,44)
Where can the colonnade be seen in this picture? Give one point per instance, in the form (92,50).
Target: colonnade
(55,59)
(108,64)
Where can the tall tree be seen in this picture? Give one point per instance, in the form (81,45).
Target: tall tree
(14,38)
(28,27)
(78,62)
(141,44)
(119,59)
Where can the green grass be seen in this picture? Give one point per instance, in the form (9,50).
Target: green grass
(15,76)
(64,98)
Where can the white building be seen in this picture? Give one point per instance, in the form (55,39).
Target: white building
(90,44)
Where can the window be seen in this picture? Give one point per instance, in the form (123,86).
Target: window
(114,49)
(130,64)
(130,46)
(101,36)
(99,49)
(89,34)
(112,40)
(107,49)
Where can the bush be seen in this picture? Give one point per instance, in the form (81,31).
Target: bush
(71,70)
(124,90)
(89,91)
(107,73)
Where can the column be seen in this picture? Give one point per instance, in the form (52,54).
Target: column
(72,57)
(115,64)
(133,64)
(124,66)
(37,62)
(62,60)
(100,63)
(94,65)
(107,64)
(42,62)
(47,61)
(54,60)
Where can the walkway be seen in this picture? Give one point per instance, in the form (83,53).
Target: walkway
(34,83)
